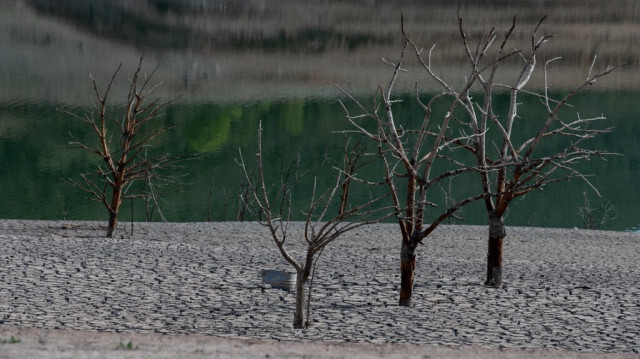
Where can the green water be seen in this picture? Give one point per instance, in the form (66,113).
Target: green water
(236,64)
(34,135)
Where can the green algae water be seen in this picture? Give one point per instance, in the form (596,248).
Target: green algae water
(277,65)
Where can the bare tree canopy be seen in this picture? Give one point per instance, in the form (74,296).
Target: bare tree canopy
(508,168)
(521,163)
(409,156)
(126,161)
(272,205)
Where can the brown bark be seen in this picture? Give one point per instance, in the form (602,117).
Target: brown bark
(113,222)
(116,200)
(298,313)
(407,270)
(345,194)
(301,280)
(494,253)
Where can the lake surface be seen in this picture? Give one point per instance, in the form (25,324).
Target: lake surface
(234,64)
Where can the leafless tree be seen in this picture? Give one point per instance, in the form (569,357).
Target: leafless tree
(410,155)
(273,208)
(126,161)
(594,218)
(521,166)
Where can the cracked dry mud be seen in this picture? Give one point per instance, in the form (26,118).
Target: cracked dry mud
(194,289)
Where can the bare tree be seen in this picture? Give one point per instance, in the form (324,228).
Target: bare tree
(274,209)
(126,161)
(590,216)
(521,166)
(410,155)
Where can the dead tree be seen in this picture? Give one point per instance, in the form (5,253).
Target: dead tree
(126,161)
(274,209)
(520,166)
(410,155)
(590,217)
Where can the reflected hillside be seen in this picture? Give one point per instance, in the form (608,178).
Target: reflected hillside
(605,27)
(247,50)
(198,26)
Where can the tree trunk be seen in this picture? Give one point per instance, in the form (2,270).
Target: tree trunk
(494,254)
(116,200)
(298,313)
(301,280)
(113,222)
(407,269)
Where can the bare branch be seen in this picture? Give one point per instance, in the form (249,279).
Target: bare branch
(124,162)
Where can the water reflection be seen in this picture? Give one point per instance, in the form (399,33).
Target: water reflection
(248,50)
(236,63)
(218,130)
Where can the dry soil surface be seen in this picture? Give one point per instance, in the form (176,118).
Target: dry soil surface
(192,290)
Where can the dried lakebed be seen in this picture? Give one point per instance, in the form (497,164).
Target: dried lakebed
(563,289)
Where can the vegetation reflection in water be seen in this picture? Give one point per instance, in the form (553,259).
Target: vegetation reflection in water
(33,136)
(236,61)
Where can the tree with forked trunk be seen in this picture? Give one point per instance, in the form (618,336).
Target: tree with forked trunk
(409,156)
(272,206)
(522,163)
(127,161)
